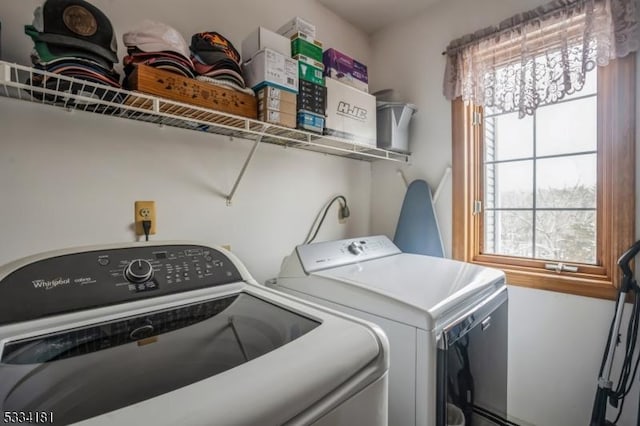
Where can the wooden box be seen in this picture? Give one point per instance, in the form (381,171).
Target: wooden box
(175,87)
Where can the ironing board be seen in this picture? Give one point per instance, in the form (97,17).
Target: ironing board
(417,231)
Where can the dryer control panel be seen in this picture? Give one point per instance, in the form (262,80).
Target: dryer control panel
(331,254)
(90,279)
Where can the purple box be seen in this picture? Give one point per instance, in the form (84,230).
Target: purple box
(343,68)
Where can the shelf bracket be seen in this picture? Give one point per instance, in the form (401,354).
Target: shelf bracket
(246,165)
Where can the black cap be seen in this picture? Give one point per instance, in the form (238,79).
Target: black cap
(76,23)
(212,47)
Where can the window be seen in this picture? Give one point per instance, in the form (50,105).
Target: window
(540,176)
(549,198)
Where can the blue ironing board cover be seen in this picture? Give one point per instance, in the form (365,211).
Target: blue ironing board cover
(417,231)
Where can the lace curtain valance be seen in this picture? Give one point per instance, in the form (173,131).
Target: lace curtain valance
(538,57)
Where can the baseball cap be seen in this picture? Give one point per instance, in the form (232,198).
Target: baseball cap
(77,24)
(45,52)
(203,68)
(152,36)
(212,47)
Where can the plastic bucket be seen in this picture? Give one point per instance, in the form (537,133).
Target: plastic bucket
(393,125)
(455,416)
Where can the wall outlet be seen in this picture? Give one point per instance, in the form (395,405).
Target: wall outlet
(144,210)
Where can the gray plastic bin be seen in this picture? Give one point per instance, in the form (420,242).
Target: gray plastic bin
(393,125)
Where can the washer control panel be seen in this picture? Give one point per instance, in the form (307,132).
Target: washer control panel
(90,279)
(138,271)
(331,254)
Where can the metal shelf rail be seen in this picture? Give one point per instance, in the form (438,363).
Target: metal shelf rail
(30,84)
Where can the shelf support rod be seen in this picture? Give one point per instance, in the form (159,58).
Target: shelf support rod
(443,180)
(245,166)
(5,73)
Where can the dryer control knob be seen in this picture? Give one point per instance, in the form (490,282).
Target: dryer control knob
(355,248)
(138,271)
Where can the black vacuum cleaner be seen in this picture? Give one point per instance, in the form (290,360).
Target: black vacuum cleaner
(606,391)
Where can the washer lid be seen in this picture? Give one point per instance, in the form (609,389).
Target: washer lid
(409,288)
(106,366)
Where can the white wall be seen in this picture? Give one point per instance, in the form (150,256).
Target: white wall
(235,19)
(69,179)
(556,340)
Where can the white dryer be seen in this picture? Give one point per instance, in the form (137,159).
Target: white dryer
(177,334)
(446,322)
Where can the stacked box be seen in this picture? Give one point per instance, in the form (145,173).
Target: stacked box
(311,122)
(312,97)
(351,113)
(310,70)
(302,44)
(277,106)
(345,69)
(263,38)
(297,25)
(273,75)
(271,68)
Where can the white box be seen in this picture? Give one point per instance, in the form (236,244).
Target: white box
(346,79)
(351,113)
(295,25)
(272,68)
(263,38)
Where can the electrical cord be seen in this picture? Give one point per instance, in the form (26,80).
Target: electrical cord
(629,367)
(606,394)
(344,213)
(625,382)
(146,227)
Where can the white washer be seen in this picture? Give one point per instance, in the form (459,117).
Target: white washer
(177,334)
(446,322)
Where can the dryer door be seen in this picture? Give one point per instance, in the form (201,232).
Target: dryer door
(472,366)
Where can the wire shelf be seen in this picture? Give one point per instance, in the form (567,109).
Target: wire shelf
(29,84)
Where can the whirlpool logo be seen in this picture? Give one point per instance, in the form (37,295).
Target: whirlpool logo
(50,284)
(352,111)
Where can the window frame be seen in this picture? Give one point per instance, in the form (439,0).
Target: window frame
(615,199)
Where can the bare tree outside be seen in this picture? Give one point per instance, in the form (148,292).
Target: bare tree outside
(568,235)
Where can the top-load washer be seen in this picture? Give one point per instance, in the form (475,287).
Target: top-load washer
(446,322)
(177,334)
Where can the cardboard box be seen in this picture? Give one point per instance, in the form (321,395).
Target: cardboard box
(190,91)
(277,106)
(312,89)
(279,103)
(346,79)
(274,94)
(272,68)
(279,118)
(312,97)
(345,69)
(302,44)
(307,60)
(351,113)
(297,25)
(310,121)
(263,38)
(309,70)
